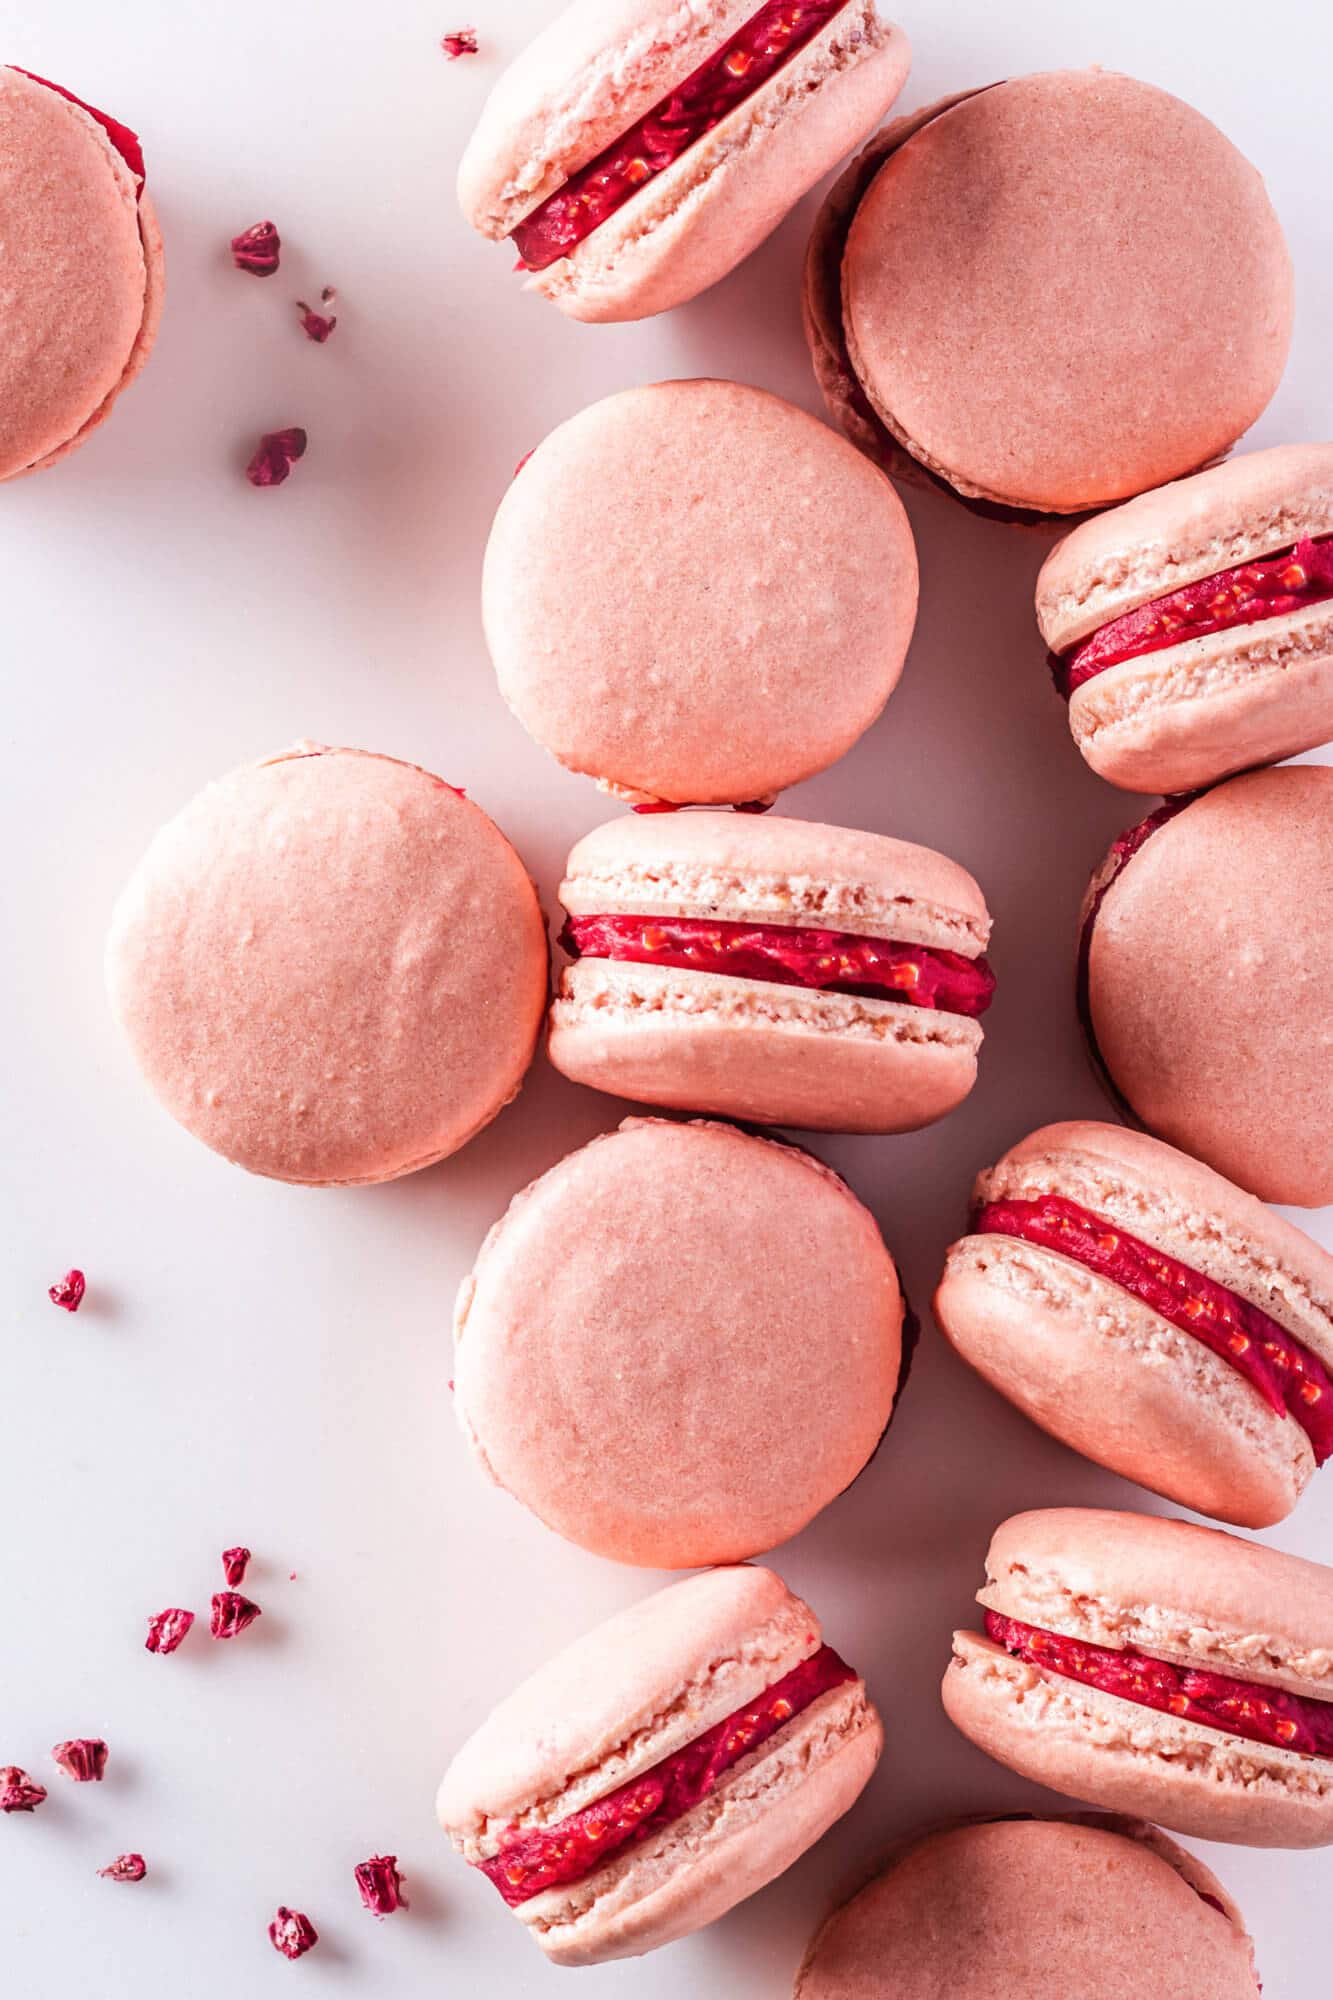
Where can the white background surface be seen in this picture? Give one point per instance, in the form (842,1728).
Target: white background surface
(261,1364)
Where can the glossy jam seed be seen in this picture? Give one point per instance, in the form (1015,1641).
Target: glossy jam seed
(235,1562)
(83,1758)
(292,1933)
(232,1613)
(167,1629)
(380,1884)
(125,1868)
(18,1792)
(462,42)
(275,455)
(68,1291)
(257,249)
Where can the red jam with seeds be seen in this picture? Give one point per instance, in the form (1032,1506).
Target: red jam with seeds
(828,961)
(554,1855)
(736,71)
(1242,1708)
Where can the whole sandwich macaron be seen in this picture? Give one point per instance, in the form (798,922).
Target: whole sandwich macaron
(679,1344)
(1191,630)
(1094,1906)
(663,1767)
(638,150)
(772,970)
(1049,294)
(331,967)
(81,294)
(1150,1314)
(1206,978)
(1157,1668)
(697,594)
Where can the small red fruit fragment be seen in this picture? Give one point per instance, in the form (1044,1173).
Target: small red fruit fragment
(462,42)
(125,1868)
(380,1884)
(83,1758)
(317,326)
(276,454)
(68,1293)
(167,1629)
(234,1564)
(257,249)
(292,1932)
(18,1793)
(231,1614)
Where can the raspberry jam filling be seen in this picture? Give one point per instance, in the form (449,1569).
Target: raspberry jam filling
(1242,1708)
(1245,595)
(1291,1380)
(550,1856)
(125,142)
(830,961)
(768,40)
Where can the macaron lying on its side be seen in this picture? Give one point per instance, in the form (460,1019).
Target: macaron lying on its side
(1157,1668)
(638,150)
(772,970)
(662,1768)
(1191,630)
(81,291)
(679,1344)
(1150,1314)
(1093,1907)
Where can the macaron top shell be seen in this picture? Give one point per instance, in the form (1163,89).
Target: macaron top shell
(331,967)
(696,593)
(679,1344)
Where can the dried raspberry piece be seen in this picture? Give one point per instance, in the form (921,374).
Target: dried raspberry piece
(234,1564)
(275,456)
(69,1292)
(317,326)
(18,1792)
(380,1884)
(257,249)
(167,1629)
(292,1932)
(462,42)
(83,1758)
(231,1614)
(125,1868)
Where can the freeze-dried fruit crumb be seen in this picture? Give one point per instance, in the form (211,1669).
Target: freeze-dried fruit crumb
(125,1868)
(277,452)
(83,1758)
(317,326)
(231,1614)
(235,1562)
(380,1884)
(167,1629)
(18,1792)
(69,1291)
(257,249)
(462,42)
(292,1932)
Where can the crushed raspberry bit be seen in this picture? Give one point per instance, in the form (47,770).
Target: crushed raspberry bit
(235,1562)
(83,1759)
(317,326)
(380,1884)
(257,249)
(278,451)
(125,1868)
(18,1792)
(292,1933)
(68,1292)
(231,1614)
(167,1629)
(462,42)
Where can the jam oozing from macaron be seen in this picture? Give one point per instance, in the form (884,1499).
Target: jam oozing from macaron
(125,142)
(1241,1708)
(768,40)
(1245,595)
(551,1856)
(828,961)
(1290,1378)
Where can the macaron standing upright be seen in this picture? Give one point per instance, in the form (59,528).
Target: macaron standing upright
(772,970)
(331,967)
(638,150)
(1191,630)
(83,271)
(1150,1314)
(1049,294)
(1206,978)
(696,594)
(1156,1668)
(663,1767)
(679,1344)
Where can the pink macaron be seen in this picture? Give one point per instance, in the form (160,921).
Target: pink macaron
(1206,978)
(1094,1907)
(638,150)
(1152,1315)
(81,294)
(663,1767)
(1050,294)
(696,594)
(1156,1668)
(1191,630)
(773,970)
(331,967)
(679,1344)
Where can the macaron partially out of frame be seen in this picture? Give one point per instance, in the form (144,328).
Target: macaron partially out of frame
(1151,1315)
(1206,978)
(1191,630)
(772,970)
(679,1344)
(1094,1906)
(1050,294)
(638,150)
(697,594)
(1156,1668)
(81,294)
(662,1768)
(331,967)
